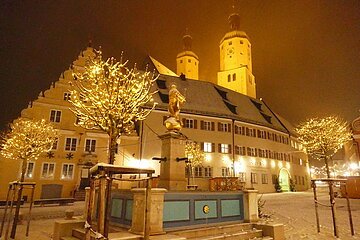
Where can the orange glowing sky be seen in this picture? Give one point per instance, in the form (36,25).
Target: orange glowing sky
(306,54)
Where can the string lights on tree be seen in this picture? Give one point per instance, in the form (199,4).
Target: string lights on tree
(195,156)
(109,96)
(323,137)
(26,141)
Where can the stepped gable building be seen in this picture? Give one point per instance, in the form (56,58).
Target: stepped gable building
(238,132)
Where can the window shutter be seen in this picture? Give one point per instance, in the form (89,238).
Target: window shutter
(219,125)
(219,147)
(195,123)
(230,148)
(229,127)
(212,147)
(202,146)
(201,124)
(183,121)
(212,126)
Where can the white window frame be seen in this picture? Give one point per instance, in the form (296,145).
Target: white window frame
(264,178)
(92,148)
(48,176)
(207,125)
(65,175)
(254,178)
(55,144)
(189,123)
(71,149)
(223,127)
(27,173)
(242,176)
(57,115)
(224,148)
(208,147)
(208,171)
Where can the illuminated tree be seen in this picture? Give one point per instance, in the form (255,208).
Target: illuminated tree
(107,95)
(195,157)
(323,137)
(26,141)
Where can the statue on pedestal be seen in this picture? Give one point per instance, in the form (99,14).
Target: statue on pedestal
(173,123)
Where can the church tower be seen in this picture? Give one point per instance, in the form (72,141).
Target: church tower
(187,62)
(235,60)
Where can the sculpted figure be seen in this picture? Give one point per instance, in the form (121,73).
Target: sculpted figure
(175,101)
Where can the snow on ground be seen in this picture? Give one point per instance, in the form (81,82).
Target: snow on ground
(297,212)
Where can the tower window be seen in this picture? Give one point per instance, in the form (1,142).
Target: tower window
(230,43)
(181,61)
(195,63)
(229,78)
(234,76)
(189,60)
(241,42)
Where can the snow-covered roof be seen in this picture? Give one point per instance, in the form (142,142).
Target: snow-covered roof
(161,69)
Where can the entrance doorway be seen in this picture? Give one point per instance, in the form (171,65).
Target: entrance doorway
(284,178)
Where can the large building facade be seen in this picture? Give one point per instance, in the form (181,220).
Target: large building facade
(238,133)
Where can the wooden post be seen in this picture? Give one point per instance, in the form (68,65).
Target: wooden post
(102,202)
(333,209)
(148,209)
(107,206)
(313,185)
(11,209)
(349,211)
(5,210)
(30,208)
(87,199)
(90,205)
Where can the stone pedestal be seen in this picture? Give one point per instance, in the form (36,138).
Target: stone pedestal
(172,172)
(250,206)
(156,211)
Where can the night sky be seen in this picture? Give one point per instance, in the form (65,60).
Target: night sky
(306,54)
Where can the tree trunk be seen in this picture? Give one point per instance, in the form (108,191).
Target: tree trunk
(112,148)
(18,203)
(332,198)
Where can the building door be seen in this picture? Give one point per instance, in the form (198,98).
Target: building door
(84,178)
(284,179)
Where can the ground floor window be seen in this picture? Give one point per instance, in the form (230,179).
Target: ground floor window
(30,170)
(264,178)
(48,170)
(242,177)
(254,178)
(67,171)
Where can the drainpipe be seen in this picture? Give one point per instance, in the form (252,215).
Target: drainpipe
(233,145)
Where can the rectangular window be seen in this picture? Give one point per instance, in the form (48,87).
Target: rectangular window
(197,171)
(67,96)
(224,127)
(242,177)
(240,150)
(55,144)
(274,178)
(48,170)
(55,116)
(90,145)
(225,172)
(225,148)
(207,125)
(67,171)
(208,171)
(303,180)
(264,178)
(251,152)
(239,130)
(189,123)
(208,147)
(70,144)
(29,170)
(254,178)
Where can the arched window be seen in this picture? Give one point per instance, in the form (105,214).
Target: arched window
(229,78)
(234,76)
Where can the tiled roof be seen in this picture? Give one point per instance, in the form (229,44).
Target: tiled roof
(208,99)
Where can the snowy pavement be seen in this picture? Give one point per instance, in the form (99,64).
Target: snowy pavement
(297,212)
(294,209)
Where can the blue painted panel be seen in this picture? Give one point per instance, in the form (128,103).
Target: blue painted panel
(230,208)
(128,209)
(205,209)
(176,211)
(116,207)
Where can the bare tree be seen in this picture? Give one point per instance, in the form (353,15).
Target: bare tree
(26,141)
(107,95)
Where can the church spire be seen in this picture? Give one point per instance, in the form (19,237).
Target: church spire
(187,62)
